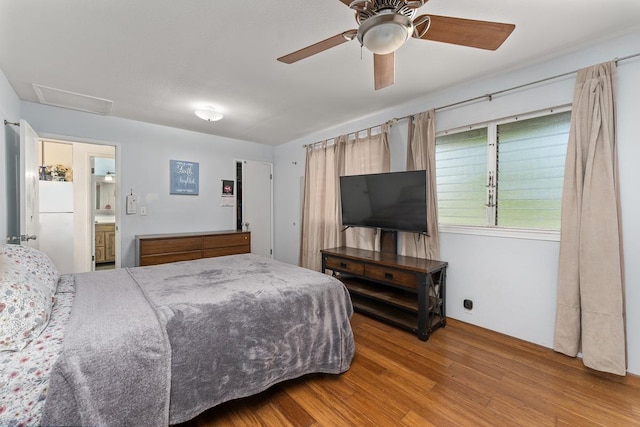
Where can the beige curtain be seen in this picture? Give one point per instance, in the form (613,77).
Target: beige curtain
(421,154)
(320,205)
(590,307)
(325,163)
(364,155)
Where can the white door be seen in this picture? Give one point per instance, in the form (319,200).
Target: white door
(29,199)
(257,206)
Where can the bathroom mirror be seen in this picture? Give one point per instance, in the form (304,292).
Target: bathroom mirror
(105,196)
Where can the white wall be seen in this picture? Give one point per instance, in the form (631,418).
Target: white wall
(10,111)
(144,151)
(512,281)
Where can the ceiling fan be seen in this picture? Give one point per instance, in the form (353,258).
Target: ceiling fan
(385,25)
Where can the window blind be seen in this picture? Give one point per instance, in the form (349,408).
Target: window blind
(461,169)
(530,171)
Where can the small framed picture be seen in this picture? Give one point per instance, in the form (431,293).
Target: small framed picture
(227,187)
(184,177)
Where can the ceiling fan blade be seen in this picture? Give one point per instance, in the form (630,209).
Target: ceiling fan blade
(384,70)
(318,47)
(467,32)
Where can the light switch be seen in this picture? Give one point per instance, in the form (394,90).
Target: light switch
(143,210)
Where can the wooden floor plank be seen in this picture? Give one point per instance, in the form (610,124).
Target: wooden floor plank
(325,408)
(412,419)
(292,411)
(463,375)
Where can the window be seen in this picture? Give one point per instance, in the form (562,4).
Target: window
(505,173)
(461,171)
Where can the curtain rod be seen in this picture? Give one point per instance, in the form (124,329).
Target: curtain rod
(356,133)
(489,96)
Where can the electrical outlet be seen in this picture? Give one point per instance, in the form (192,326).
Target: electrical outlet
(143,210)
(468,304)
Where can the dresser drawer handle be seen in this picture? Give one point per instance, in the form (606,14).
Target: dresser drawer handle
(388,276)
(343,265)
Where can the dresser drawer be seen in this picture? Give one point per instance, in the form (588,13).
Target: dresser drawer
(170,245)
(392,276)
(344,265)
(230,250)
(171,257)
(226,240)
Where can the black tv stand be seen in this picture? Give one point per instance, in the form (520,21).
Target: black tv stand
(406,292)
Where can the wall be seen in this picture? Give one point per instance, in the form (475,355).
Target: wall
(10,111)
(511,280)
(143,151)
(53,153)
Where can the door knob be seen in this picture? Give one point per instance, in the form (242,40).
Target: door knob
(26,237)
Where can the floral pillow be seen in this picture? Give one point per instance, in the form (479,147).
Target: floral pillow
(27,286)
(36,264)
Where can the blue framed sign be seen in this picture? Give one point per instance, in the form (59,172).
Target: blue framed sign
(184,177)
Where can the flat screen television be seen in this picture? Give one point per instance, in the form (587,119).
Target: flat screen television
(390,201)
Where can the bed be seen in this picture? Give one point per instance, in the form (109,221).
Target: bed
(158,345)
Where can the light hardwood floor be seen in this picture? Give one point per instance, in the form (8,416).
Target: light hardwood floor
(462,376)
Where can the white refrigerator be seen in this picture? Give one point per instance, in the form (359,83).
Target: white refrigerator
(56,223)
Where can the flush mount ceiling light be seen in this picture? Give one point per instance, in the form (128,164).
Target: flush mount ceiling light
(385,33)
(209,114)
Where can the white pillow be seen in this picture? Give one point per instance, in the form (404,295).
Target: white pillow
(27,286)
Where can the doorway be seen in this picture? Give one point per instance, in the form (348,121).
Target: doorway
(66,164)
(78,156)
(103,208)
(254,204)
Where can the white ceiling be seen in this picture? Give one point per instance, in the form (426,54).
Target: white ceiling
(158,60)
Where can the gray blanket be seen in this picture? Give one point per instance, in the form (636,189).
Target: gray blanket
(236,325)
(115,356)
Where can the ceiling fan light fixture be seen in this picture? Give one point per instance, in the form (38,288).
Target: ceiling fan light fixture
(209,114)
(385,33)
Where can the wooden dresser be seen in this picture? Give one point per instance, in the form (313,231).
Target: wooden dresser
(154,249)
